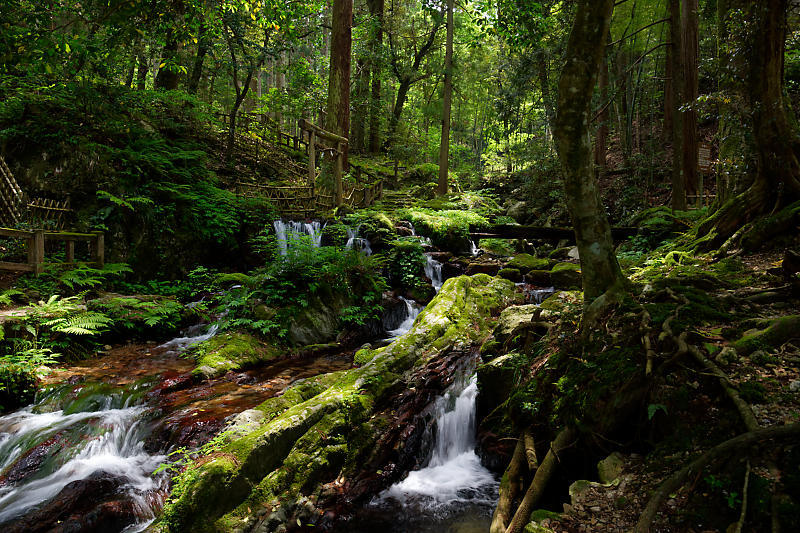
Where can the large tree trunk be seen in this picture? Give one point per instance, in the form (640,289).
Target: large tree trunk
(376,8)
(601,141)
(338,109)
(168,75)
(689,20)
(601,272)
(399,103)
(777,144)
(447,97)
(358,130)
(676,57)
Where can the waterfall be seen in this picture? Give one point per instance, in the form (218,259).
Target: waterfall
(412,312)
(474,249)
(359,243)
(289,232)
(433,269)
(181,344)
(91,435)
(454,473)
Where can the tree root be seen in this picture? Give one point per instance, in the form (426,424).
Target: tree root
(540,480)
(510,487)
(720,451)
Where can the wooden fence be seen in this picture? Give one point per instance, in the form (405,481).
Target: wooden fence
(35,241)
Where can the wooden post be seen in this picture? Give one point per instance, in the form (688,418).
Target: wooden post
(98,250)
(70,251)
(358,174)
(38,251)
(337,174)
(396,164)
(312,161)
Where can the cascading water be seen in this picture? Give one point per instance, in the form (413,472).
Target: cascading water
(454,492)
(454,473)
(474,249)
(181,344)
(433,269)
(359,243)
(290,232)
(90,435)
(413,310)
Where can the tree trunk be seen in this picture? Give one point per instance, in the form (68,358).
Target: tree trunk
(168,76)
(376,8)
(199,58)
(141,70)
(447,97)
(358,129)
(600,145)
(338,108)
(777,180)
(690,93)
(678,186)
(399,102)
(601,271)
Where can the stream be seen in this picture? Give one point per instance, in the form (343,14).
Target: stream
(83,456)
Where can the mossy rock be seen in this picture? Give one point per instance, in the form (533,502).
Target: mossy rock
(512,319)
(566,276)
(526,262)
(226,281)
(610,468)
(512,274)
(496,379)
(304,441)
(230,351)
(778,332)
(539,278)
(537,517)
(562,302)
(318,323)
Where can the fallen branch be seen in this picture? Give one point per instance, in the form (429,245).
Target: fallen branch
(743,514)
(720,451)
(540,480)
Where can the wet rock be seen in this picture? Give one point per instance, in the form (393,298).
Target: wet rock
(88,505)
(483,268)
(526,262)
(511,274)
(512,320)
(540,278)
(30,461)
(727,356)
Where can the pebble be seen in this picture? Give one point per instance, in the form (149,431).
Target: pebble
(794,386)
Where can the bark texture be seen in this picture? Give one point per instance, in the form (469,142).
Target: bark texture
(447,100)
(601,272)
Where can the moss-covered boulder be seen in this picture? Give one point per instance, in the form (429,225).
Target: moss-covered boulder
(319,322)
(496,379)
(540,278)
(231,351)
(566,276)
(512,320)
(777,332)
(511,274)
(526,262)
(269,465)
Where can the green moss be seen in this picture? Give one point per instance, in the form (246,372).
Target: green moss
(448,229)
(561,267)
(235,278)
(308,434)
(363,356)
(512,274)
(752,392)
(502,247)
(527,262)
(231,351)
(778,332)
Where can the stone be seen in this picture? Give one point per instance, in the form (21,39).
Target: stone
(526,262)
(511,274)
(566,276)
(519,212)
(727,356)
(794,386)
(610,468)
(540,278)
(511,319)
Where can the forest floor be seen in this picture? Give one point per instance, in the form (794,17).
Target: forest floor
(697,416)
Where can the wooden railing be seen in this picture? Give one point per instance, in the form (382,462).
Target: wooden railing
(35,240)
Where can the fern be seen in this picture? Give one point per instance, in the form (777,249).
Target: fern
(6,296)
(87,323)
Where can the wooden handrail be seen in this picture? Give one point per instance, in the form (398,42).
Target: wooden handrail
(35,240)
(319,132)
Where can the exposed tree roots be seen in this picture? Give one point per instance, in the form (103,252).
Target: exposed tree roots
(543,474)
(724,450)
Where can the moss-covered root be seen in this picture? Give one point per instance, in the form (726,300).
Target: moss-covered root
(540,480)
(777,333)
(294,448)
(510,487)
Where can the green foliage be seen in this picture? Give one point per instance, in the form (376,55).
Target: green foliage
(406,262)
(73,279)
(141,315)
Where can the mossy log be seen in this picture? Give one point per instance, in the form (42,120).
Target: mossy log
(312,445)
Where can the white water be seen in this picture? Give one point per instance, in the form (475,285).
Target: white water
(454,474)
(289,232)
(359,243)
(181,344)
(413,310)
(109,440)
(433,269)
(474,250)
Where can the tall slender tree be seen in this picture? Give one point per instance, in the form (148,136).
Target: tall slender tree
(603,281)
(447,98)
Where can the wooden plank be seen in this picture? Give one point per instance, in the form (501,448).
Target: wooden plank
(68,236)
(324,134)
(17,233)
(20,267)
